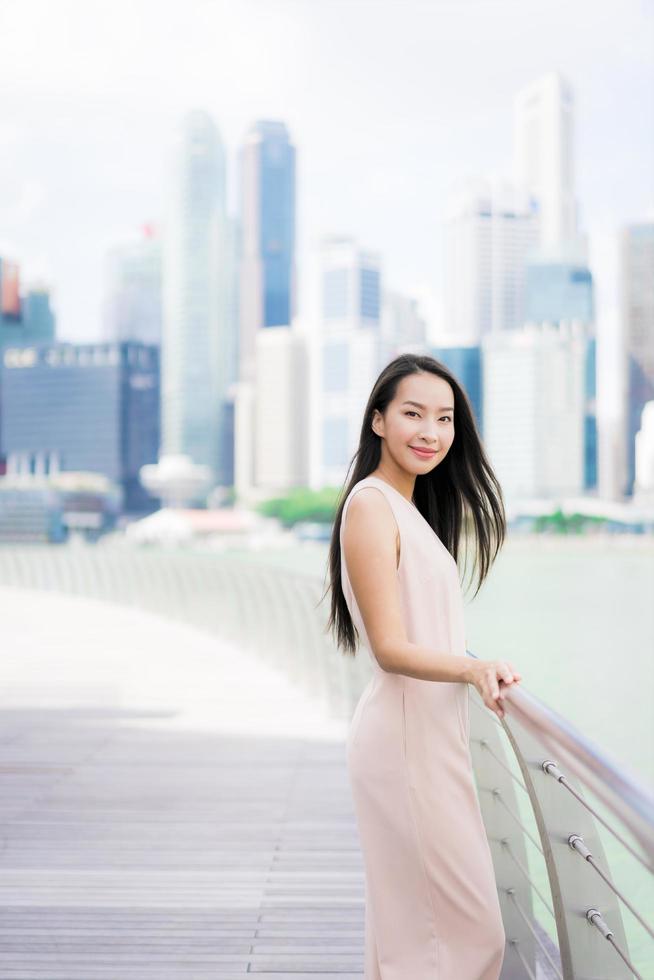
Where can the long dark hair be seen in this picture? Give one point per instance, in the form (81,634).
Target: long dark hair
(461,494)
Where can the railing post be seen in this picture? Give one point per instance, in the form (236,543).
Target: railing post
(497,798)
(574,885)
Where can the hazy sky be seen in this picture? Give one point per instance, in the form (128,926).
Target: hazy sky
(388,104)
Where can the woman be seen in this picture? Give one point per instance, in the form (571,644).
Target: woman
(432,909)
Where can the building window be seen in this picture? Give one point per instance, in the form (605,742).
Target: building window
(335,294)
(369,284)
(335,441)
(335,374)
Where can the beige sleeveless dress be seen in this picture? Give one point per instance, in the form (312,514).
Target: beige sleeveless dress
(432,909)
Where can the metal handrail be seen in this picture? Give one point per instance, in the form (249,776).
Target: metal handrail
(552,754)
(608,779)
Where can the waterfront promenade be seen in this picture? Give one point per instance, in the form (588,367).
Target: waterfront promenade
(169,807)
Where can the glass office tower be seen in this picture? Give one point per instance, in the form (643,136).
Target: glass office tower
(199,335)
(267,166)
(82,407)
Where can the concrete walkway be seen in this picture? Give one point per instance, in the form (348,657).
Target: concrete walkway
(169,808)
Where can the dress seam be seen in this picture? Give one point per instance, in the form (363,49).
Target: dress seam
(417,831)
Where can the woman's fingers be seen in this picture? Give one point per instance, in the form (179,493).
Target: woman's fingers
(494,678)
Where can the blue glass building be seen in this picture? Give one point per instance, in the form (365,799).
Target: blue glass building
(38,317)
(590,416)
(556,291)
(268,225)
(82,407)
(277,201)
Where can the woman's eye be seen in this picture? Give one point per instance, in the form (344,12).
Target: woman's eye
(448,417)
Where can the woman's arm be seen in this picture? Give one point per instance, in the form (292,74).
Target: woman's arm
(370,537)
(369,542)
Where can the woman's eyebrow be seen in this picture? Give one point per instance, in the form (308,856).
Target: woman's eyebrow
(447,408)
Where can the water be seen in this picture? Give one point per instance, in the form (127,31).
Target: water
(576,616)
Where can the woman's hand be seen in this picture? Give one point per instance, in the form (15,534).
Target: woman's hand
(492,678)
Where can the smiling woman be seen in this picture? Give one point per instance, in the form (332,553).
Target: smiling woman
(432,909)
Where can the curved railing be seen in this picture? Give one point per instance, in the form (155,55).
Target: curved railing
(547,793)
(565,823)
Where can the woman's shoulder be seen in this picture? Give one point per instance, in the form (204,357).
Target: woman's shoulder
(366,482)
(371,493)
(373,525)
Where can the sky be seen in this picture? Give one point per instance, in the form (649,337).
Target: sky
(388,104)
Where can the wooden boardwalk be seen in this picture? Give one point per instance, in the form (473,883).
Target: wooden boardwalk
(168,809)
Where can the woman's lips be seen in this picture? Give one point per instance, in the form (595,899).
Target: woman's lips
(424,453)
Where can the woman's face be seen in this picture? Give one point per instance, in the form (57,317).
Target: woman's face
(421,416)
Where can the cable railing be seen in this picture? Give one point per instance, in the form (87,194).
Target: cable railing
(564,820)
(568,921)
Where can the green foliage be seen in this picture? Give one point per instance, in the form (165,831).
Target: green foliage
(560,523)
(302,504)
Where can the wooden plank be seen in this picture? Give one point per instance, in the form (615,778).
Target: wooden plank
(133,847)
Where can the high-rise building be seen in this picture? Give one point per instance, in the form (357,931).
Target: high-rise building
(544,154)
(9,290)
(281,410)
(644,482)
(637,300)
(534,409)
(402,327)
(557,291)
(267,265)
(347,354)
(24,319)
(199,337)
(82,407)
(591,428)
(611,364)
(267,286)
(132,300)
(38,318)
(491,230)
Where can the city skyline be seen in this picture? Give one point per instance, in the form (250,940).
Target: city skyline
(90,113)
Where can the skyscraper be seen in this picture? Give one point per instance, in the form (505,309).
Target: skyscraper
(25,319)
(281,415)
(534,409)
(347,354)
(267,273)
(82,407)
(132,301)
(199,330)
(491,229)
(556,291)
(544,154)
(637,297)
(402,326)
